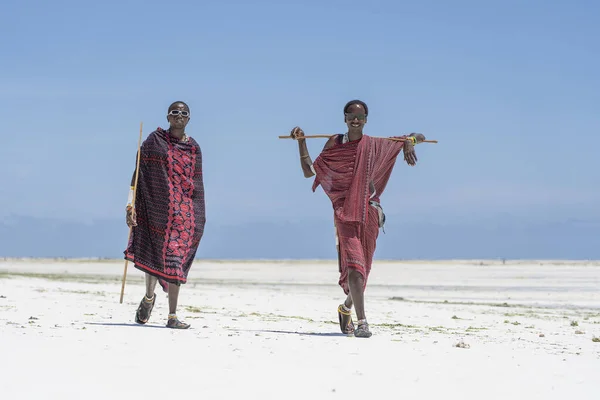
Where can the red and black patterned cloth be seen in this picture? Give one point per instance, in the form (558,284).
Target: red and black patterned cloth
(169,208)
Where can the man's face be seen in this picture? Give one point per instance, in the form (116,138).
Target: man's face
(355,117)
(178,116)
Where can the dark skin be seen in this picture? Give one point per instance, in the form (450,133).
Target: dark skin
(355,119)
(177,124)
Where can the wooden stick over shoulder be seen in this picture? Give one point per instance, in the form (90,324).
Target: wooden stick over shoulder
(328,136)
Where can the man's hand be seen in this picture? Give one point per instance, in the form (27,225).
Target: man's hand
(409,153)
(297,133)
(409,149)
(130,217)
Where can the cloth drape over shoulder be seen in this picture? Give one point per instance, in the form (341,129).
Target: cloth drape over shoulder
(345,172)
(169,208)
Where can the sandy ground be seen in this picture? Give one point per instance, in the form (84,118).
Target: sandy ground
(270,329)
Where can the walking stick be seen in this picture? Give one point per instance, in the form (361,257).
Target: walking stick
(328,136)
(137,170)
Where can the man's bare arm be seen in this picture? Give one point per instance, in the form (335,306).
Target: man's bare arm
(305,161)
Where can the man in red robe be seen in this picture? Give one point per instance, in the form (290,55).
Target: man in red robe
(353,169)
(169,216)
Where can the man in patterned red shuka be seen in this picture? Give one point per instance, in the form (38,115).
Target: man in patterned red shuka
(168,218)
(353,169)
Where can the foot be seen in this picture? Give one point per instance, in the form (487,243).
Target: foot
(142,315)
(363,329)
(345,318)
(175,323)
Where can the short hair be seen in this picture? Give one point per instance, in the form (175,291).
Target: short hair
(359,102)
(178,102)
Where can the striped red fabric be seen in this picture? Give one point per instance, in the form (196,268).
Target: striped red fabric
(345,171)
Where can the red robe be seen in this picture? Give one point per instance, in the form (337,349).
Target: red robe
(345,171)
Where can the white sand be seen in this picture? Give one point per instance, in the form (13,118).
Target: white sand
(270,329)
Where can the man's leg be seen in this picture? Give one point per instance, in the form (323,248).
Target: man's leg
(356,281)
(348,301)
(345,309)
(356,296)
(144,310)
(150,285)
(356,284)
(345,315)
(173,321)
(173,298)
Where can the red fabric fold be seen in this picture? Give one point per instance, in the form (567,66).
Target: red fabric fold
(345,171)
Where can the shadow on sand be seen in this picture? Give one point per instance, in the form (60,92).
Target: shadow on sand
(131,324)
(324,334)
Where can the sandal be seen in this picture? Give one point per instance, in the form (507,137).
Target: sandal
(142,315)
(175,323)
(345,318)
(363,329)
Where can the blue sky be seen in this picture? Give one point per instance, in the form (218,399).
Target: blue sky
(511,90)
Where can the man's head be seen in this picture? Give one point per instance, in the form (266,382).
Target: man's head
(355,115)
(178,115)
